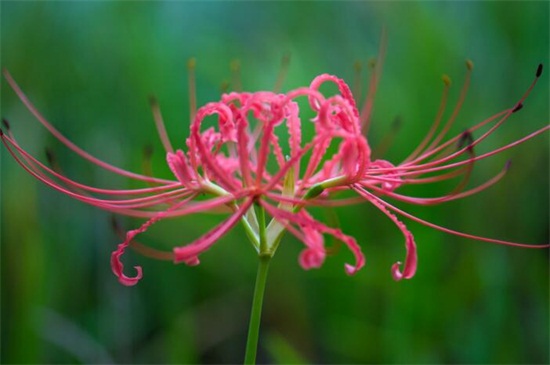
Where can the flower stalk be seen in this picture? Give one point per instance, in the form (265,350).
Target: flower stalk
(256,312)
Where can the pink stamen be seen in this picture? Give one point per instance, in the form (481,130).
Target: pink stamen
(192,88)
(376,73)
(71,145)
(285,62)
(433,128)
(159,122)
(447,230)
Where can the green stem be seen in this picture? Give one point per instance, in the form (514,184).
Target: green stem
(256,313)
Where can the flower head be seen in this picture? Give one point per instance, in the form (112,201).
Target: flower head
(234,158)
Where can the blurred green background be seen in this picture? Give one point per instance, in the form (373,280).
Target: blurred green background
(90,66)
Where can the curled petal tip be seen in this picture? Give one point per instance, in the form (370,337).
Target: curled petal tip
(350,269)
(181,255)
(193,261)
(407,273)
(311,259)
(396,272)
(118,267)
(124,280)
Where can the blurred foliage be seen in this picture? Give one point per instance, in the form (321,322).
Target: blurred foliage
(90,66)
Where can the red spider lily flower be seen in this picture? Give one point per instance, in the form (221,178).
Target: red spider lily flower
(239,163)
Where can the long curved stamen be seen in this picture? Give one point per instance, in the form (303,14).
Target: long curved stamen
(421,169)
(68,143)
(366,110)
(505,115)
(159,122)
(191,64)
(452,118)
(440,150)
(409,269)
(466,170)
(116,263)
(452,196)
(437,121)
(447,230)
(236,80)
(34,167)
(356,89)
(387,139)
(285,62)
(140,247)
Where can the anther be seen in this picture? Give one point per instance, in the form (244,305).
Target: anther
(466,136)
(397,121)
(224,87)
(116,227)
(508,164)
(147,151)
(446,80)
(235,65)
(357,66)
(50,156)
(152,101)
(469,65)
(517,107)
(539,70)
(285,61)
(372,63)
(191,63)
(6,124)
(146,163)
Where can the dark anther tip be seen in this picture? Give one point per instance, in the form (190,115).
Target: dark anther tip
(517,108)
(397,121)
(6,124)
(49,156)
(1,132)
(539,70)
(152,99)
(286,58)
(508,164)
(148,150)
(466,136)
(114,224)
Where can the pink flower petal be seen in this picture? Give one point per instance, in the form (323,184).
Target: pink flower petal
(189,253)
(118,267)
(303,219)
(411,260)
